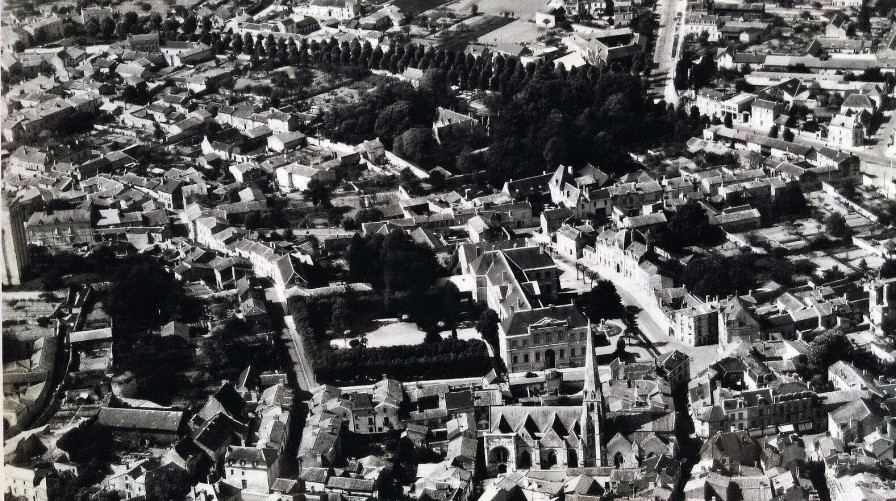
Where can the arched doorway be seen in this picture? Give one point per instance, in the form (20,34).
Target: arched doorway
(618,460)
(572,459)
(525,460)
(550,359)
(498,457)
(550,459)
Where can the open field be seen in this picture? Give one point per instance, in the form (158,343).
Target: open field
(520,31)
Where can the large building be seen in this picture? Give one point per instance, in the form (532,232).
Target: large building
(61,228)
(696,323)
(548,437)
(15,244)
(544,338)
(515,279)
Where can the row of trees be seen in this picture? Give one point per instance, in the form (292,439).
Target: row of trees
(541,115)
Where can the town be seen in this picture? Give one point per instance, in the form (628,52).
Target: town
(449,250)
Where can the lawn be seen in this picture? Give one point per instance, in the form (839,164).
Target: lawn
(392,332)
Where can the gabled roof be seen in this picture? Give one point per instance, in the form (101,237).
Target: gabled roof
(141,419)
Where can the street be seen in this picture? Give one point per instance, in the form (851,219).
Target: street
(653,335)
(668,43)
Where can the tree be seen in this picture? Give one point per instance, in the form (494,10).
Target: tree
(620,345)
(888,269)
(342,313)
(688,226)
(318,193)
(449,301)
(728,121)
(609,8)
(835,224)
(787,135)
(487,326)
(773,132)
(415,144)
(848,189)
(392,121)
(602,302)
(107,27)
(829,347)
(682,73)
(630,319)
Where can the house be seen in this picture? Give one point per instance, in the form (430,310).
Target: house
(449,123)
(763,114)
(845,131)
(296,177)
(61,228)
(179,53)
(286,141)
(31,484)
(144,43)
(352,489)
(571,240)
(374,151)
(28,161)
(377,411)
(837,26)
(251,469)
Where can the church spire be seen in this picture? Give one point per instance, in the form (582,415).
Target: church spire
(592,409)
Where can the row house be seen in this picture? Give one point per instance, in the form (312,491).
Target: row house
(61,228)
(741,392)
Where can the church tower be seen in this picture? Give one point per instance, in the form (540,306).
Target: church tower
(592,408)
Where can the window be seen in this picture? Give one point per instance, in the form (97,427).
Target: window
(584,350)
(513,344)
(538,356)
(515,359)
(538,339)
(562,354)
(526,358)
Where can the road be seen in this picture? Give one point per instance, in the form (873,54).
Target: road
(653,337)
(668,43)
(303,368)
